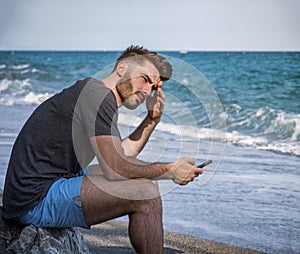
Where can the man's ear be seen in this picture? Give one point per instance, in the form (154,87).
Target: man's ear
(121,68)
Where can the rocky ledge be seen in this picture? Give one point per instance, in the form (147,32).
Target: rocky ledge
(109,237)
(17,238)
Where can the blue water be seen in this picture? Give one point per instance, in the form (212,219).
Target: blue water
(241,109)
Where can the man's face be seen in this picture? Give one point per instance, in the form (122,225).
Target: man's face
(137,84)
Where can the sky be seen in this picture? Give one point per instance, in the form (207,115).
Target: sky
(205,25)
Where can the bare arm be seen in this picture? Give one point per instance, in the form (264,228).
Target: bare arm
(134,144)
(117,166)
(116,157)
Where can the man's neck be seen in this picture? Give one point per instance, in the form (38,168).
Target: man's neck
(110,82)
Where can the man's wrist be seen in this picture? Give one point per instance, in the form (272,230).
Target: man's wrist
(156,120)
(166,170)
(170,173)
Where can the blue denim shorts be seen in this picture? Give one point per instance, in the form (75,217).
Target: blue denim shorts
(58,208)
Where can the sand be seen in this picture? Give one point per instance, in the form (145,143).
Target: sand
(112,237)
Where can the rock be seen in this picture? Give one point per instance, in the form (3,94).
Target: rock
(24,243)
(17,238)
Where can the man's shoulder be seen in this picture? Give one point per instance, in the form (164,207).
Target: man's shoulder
(91,85)
(93,92)
(90,81)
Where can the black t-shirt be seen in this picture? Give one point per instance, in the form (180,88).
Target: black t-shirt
(54,142)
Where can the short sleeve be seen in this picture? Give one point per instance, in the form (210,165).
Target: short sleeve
(97,110)
(107,118)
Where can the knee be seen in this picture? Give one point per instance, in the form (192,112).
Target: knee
(150,189)
(152,202)
(149,207)
(141,189)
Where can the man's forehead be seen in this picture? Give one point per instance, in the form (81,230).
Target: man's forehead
(148,69)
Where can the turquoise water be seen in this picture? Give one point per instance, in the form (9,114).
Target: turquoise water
(251,100)
(260,92)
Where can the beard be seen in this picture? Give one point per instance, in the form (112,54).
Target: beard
(125,89)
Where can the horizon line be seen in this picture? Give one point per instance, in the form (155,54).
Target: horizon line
(183,51)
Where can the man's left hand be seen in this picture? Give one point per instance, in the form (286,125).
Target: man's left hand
(156,103)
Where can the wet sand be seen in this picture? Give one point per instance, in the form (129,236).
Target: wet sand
(112,237)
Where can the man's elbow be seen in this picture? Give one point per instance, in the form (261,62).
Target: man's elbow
(111,174)
(128,149)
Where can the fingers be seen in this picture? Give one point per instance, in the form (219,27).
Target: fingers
(159,85)
(185,171)
(189,160)
(156,104)
(194,172)
(160,94)
(198,171)
(159,90)
(161,104)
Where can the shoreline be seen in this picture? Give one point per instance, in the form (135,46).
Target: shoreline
(112,237)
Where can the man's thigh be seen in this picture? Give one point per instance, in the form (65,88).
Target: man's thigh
(103,200)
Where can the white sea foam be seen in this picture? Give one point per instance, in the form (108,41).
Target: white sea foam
(288,148)
(33,70)
(20,67)
(279,123)
(185,132)
(2,66)
(4,84)
(296,133)
(6,143)
(19,92)
(16,86)
(178,130)
(8,135)
(30,99)
(33,98)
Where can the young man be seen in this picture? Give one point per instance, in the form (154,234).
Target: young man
(46,184)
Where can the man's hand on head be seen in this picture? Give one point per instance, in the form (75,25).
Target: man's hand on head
(156,103)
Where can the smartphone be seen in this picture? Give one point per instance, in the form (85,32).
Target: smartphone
(204,164)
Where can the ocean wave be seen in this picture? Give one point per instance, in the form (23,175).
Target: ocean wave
(20,92)
(33,70)
(20,67)
(262,143)
(30,98)
(13,87)
(7,135)
(6,143)
(265,121)
(7,138)
(186,133)
(2,66)
(263,128)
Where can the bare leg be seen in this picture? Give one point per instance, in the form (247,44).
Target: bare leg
(145,216)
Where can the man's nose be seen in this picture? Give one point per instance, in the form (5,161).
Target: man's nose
(147,93)
(148,90)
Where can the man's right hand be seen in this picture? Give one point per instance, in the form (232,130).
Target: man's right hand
(183,170)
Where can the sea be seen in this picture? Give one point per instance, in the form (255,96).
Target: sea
(239,109)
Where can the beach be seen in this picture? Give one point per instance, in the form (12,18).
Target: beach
(240,109)
(112,237)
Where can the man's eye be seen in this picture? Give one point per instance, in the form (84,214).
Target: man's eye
(147,79)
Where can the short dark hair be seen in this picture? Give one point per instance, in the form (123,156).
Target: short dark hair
(139,54)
